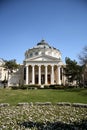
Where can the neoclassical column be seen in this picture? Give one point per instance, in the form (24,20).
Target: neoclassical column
(27,75)
(39,77)
(46,74)
(59,80)
(62,77)
(52,74)
(33,75)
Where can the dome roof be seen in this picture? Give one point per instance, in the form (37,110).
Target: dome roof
(43,44)
(43,48)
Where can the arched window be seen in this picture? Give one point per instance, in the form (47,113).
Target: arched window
(31,54)
(36,53)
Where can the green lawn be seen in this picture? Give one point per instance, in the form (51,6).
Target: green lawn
(46,95)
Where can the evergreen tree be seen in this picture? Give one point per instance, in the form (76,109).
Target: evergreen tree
(10,66)
(72,71)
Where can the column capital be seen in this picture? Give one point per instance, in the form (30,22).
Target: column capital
(26,65)
(52,65)
(32,65)
(45,65)
(59,65)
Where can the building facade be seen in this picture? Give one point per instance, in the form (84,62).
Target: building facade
(43,65)
(3,72)
(14,78)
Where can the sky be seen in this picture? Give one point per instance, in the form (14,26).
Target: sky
(24,23)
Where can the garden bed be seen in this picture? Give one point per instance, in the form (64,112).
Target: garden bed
(43,117)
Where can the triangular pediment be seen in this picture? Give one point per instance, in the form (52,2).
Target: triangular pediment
(43,58)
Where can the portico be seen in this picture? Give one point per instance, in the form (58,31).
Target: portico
(43,74)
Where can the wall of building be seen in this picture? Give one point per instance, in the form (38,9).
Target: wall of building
(17,77)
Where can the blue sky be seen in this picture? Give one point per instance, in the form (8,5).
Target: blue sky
(24,23)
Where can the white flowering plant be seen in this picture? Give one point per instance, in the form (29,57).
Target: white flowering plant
(43,117)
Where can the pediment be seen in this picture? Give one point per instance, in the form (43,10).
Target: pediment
(43,58)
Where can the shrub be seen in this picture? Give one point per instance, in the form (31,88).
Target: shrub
(23,87)
(33,86)
(14,87)
(71,86)
(46,86)
(56,86)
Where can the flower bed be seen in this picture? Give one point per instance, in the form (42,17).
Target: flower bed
(43,117)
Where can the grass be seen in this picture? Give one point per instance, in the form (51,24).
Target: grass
(13,97)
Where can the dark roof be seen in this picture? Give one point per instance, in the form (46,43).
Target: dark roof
(43,43)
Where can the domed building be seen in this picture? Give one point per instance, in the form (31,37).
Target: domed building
(43,65)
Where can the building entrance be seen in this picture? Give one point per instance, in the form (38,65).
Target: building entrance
(36,79)
(42,79)
(49,80)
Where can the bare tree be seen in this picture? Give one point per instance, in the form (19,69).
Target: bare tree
(83,61)
(83,56)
